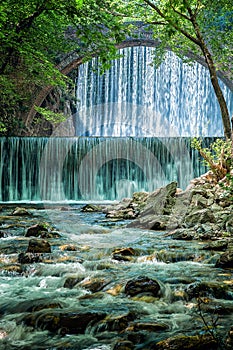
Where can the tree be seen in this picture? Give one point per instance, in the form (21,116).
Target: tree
(33,39)
(203,27)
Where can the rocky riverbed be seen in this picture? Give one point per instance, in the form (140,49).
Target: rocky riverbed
(151,272)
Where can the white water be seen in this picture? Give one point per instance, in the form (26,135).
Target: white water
(42,284)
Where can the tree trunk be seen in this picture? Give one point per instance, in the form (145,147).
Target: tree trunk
(214,80)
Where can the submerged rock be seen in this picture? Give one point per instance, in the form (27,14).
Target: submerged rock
(116,323)
(207,289)
(3,234)
(225,260)
(94,284)
(182,342)
(150,326)
(21,212)
(217,245)
(38,246)
(141,285)
(63,322)
(29,258)
(36,230)
(70,282)
(91,208)
(124,345)
(124,254)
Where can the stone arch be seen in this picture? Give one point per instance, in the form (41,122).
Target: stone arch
(73,60)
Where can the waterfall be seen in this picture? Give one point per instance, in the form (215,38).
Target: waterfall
(133,98)
(93,168)
(133,129)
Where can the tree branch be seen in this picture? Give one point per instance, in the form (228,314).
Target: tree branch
(179,13)
(170,22)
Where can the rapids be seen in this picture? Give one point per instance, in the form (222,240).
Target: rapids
(42,288)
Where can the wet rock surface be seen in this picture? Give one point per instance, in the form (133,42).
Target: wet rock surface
(38,246)
(142,285)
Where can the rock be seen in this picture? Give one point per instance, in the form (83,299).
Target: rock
(116,323)
(91,208)
(182,342)
(207,289)
(158,206)
(36,230)
(12,269)
(151,222)
(124,254)
(182,234)
(124,345)
(20,212)
(70,282)
(225,260)
(229,226)
(229,340)
(29,258)
(3,234)
(216,245)
(63,322)
(38,246)
(94,284)
(142,284)
(199,217)
(68,248)
(161,201)
(125,214)
(150,326)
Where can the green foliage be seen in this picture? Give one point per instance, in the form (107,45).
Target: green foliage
(33,41)
(227,185)
(50,116)
(218,157)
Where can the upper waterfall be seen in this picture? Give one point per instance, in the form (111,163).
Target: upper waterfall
(134,98)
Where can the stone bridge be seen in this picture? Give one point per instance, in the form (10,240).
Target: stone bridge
(142,36)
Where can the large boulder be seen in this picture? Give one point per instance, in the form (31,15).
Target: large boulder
(158,207)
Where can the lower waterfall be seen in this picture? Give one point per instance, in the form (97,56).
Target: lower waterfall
(93,168)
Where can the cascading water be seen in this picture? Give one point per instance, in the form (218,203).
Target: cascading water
(81,168)
(134,98)
(133,129)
